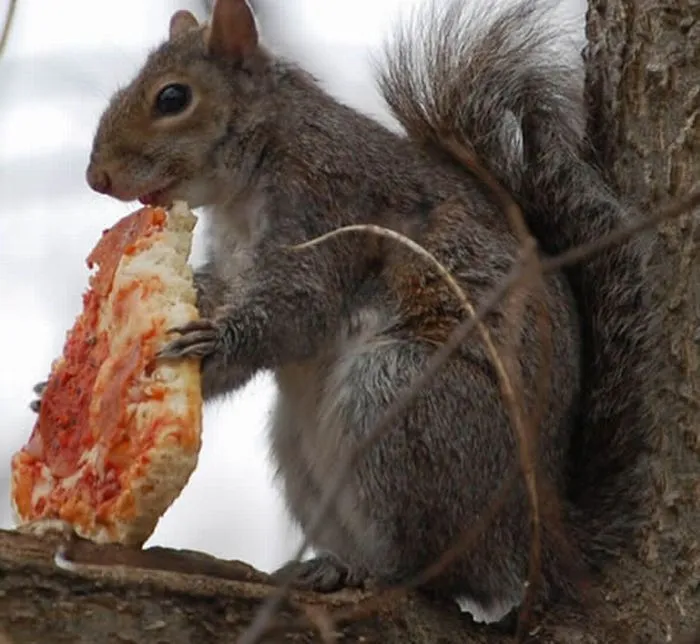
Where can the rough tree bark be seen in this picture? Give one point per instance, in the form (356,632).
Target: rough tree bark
(644,87)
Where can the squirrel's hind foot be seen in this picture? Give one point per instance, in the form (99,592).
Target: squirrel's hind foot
(324,574)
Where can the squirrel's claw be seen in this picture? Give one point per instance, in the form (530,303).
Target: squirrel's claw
(195,325)
(198,339)
(38,389)
(324,574)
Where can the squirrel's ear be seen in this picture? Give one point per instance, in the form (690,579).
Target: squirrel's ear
(182,21)
(233,33)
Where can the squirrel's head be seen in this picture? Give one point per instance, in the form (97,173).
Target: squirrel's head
(164,135)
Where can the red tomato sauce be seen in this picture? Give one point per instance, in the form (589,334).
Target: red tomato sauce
(64,428)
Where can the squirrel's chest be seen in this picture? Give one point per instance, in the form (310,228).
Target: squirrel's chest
(323,408)
(235,229)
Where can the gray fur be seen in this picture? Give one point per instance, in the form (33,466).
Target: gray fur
(346,325)
(468,81)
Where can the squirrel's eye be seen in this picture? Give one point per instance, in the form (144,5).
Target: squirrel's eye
(173,99)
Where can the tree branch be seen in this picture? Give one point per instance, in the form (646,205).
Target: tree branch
(119,594)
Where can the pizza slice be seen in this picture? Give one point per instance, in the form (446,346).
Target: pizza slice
(118,433)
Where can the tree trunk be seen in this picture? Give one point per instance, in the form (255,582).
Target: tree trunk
(644,89)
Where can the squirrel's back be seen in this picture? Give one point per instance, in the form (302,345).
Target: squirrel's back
(491,79)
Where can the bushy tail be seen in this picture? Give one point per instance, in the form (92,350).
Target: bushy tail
(493,79)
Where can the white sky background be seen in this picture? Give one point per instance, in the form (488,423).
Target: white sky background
(63,61)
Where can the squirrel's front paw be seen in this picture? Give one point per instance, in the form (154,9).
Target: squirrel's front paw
(38,389)
(199,339)
(324,574)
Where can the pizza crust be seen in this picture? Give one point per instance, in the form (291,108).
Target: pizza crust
(144,415)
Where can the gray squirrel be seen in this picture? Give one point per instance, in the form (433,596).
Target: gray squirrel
(214,118)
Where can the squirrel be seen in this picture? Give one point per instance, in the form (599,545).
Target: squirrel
(215,118)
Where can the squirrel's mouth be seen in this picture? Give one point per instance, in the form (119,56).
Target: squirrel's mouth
(152,199)
(157,197)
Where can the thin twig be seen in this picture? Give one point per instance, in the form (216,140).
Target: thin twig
(5,34)
(468,159)
(513,278)
(585,251)
(510,383)
(526,435)
(527,432)
(433,365)
(416,248)
(467,537)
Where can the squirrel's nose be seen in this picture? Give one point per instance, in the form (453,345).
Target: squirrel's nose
(99,180)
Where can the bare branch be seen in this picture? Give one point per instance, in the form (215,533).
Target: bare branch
(585,251)
(510,380)
(7,26)
(416,248)
(515,277)
(434,364)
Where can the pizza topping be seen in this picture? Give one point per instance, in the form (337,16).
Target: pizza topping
(120,240)
(109,421)
(117,434)
(64,423)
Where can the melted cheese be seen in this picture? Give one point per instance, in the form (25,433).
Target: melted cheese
(144,417)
